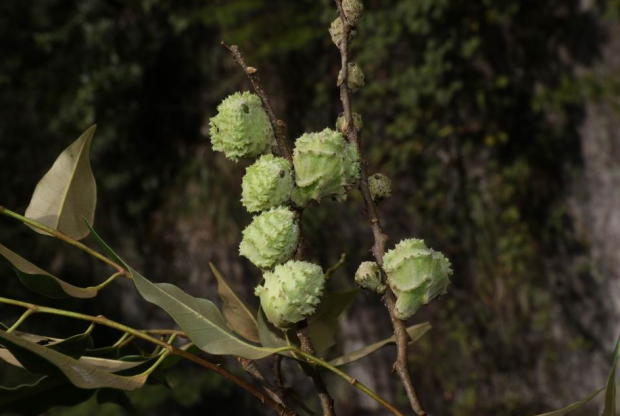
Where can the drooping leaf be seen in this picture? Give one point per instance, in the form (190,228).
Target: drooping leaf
(35,399)
(68,192)
(573,406)
(42,360)
(610,389)
(323,323)
(111,254)
(41,282)
(199,318)
(415,332)
(269,335)
(74,346)
(239,316)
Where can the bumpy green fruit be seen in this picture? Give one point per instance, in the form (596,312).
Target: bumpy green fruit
(326,165)
(357,121)
(380,186)
(241,128)
(336,30)
(353,10)
(271,238)
(368,276)
(267,183)
(416,274)
(291,292)
(355,77)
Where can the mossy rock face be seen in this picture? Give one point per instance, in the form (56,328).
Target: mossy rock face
(416,274)
(326,165)
(267,184)
(291,292)
(241,128)
(271,238)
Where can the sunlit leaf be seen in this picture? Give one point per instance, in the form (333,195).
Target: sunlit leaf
(35,399)
(68,192)
(610,389)
(42,360)
(323,323)
(415,332)
(40,281)
(237,314)
(199,318)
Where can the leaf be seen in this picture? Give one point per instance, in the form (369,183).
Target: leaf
(572,407)
(610,389)
(199,318)
(41,282)
(111,254)
(415,332)
(237,314)
(269,335)
(99,363)
(322,324)
(67,192)
(42,360)
(74,346)
(35,399)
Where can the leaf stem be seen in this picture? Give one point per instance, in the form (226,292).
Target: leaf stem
(107,282)
(64,237)
(21,319)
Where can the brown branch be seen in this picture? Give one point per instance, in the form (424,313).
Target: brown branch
(276,392)
(401,366)
(327,403)
(279,127)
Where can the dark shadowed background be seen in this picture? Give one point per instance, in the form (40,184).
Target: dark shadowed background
(496,120)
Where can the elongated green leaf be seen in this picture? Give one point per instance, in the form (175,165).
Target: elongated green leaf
(199,318)
(573,406)
(40,281)
(415,332)
(42,360)
(68,192)
(238,315)
(103,364)
(269,335)
(610,389)
(74,346)
(35,399)
(108,250)
(322,325)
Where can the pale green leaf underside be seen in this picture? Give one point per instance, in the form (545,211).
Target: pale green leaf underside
(81,374)
(199,318)
(415,332)
(40,281)
(67,193)
(238,315)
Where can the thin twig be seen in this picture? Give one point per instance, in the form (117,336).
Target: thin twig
(401,366)
(276,392)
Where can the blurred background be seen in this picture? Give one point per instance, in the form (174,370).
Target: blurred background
(496,120)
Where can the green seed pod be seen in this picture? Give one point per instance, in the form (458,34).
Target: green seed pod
(416,274)
(380,187)
(267,183)
(357,121)
(326,165)
(336,30)
(271,238)
(353,10)
(291,292)
(368,276)
(355,77)
(241,128)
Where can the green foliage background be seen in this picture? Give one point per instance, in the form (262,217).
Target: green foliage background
(472,108)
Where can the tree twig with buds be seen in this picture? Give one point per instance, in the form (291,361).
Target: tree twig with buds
(401,366)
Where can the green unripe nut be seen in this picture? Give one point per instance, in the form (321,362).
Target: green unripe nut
(341,122)
(267,183)
(355,77)
(326,165)
(380,187)
(241,128)
(336,30)
(416,274)
(353,10)
(291,292)
(368,276)
(271,238)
